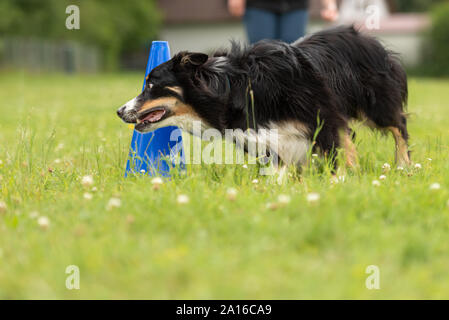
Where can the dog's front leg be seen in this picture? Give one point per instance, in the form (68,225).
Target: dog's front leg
(281,173)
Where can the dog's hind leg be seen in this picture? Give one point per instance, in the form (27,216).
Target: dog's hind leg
(349,148)
(390,117)
(402,152)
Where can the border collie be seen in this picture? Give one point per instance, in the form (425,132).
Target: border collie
(308,91)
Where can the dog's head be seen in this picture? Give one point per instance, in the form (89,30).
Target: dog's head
(176,94)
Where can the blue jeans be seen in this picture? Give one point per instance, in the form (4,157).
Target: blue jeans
(263,24)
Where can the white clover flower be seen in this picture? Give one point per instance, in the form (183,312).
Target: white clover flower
(3,207)
(418,166)
(142,171)
(43,222)
(113,203)
(284,199)
(255,181)
(60,146)
(57,161)
(87,181)
(376,183)
(231,194)
(157,181)
(94,189)
(245,166)
(313,197)
(88,196)
(386,167)
(182,199)
(429,159)
(314,155)
(383,177)
(399,168)
(435,186)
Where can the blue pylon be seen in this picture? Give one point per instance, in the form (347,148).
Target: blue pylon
(156,152)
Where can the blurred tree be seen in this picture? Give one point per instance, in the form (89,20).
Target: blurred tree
(114,26)
(437,48)
(415,5)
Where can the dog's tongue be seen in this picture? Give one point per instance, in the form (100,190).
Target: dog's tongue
(154,116)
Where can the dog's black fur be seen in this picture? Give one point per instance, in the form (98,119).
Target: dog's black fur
(332,76)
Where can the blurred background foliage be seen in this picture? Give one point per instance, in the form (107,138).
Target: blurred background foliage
(436,48)
(116,33)
(116,27)
(415,5)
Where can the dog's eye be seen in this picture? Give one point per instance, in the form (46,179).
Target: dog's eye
(150,85)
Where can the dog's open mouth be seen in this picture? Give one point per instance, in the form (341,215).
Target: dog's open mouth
(152,115)
(149,116)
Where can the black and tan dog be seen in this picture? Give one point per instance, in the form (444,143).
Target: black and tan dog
(328,78)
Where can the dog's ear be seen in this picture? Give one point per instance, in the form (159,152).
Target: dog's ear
(194,59)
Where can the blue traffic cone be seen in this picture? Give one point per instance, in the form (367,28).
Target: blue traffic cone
(155,153)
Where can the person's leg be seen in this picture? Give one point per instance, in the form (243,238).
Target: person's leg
(293,25)
(260,24)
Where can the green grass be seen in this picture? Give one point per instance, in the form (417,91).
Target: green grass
(153,247)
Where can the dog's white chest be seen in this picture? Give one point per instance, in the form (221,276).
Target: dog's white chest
(293,141)
(289,139)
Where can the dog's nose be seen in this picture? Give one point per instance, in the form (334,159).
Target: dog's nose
(121,111)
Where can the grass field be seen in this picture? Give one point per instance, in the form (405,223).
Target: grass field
(55,129)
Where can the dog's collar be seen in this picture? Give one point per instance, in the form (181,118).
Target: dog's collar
(228,85)
(249,90)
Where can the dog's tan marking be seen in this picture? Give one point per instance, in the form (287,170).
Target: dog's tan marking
(181,115)
(167,102)
(177,90)
(173,104)
(350,150)
(402,157)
